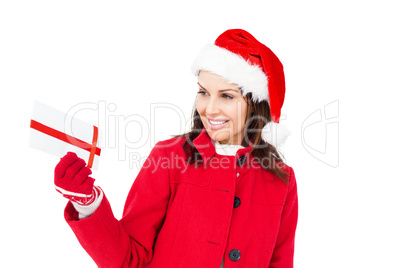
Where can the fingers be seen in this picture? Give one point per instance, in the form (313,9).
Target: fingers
(73,169)
(87,186)
(64,163)
(81,176)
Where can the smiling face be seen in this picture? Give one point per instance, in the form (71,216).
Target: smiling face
(222,108)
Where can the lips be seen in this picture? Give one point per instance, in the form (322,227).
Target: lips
(217,126)
(217,120)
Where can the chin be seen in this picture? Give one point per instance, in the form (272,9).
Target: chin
(216,136)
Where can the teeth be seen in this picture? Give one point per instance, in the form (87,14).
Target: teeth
(217,122)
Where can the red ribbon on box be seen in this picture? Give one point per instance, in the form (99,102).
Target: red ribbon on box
(91,148)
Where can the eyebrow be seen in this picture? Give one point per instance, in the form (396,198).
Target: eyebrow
(221,90)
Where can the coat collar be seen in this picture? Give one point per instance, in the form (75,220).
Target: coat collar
(206,147)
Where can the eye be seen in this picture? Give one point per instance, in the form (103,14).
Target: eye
(226,96)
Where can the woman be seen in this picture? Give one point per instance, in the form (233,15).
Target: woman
(219,194)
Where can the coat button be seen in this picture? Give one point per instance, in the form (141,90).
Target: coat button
(236,202)
(241,160)
(234,255)
(238,174)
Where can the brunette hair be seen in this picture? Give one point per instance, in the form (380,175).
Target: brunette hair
(258,114)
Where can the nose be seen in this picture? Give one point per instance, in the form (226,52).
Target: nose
(212,107)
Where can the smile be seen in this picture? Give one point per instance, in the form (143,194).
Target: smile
(216,124)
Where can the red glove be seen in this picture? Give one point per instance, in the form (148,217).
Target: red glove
(71,179)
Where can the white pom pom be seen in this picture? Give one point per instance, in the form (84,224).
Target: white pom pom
(275,133)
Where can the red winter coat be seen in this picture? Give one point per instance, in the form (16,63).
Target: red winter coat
(177,215)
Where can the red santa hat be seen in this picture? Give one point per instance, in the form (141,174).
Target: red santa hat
(241,59)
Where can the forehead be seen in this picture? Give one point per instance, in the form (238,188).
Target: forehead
(214,82)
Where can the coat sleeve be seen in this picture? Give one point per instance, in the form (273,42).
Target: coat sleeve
(282,256)
(127,242)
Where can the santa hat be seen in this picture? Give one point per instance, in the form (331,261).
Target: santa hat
(241,59)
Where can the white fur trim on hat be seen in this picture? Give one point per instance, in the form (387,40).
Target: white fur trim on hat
(234,69)
(275,133)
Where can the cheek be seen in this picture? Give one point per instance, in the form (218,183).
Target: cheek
(244,113)
(238,113)
(199,106)
(242,119)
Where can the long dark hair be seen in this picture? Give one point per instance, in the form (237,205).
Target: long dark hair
(258,114)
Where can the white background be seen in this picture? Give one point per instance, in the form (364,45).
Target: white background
(130,54)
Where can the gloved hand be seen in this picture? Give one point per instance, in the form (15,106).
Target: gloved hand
(71,179)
